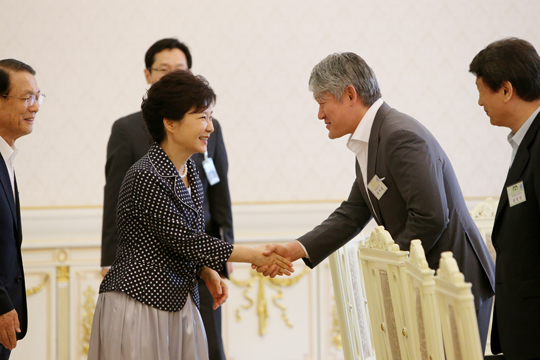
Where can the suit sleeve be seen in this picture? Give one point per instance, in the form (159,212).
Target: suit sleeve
(218,195)
(340,227)
(8,244)
(219,198)
(169,225)
(119,160)
(5,301)
(418,173)
(535,157)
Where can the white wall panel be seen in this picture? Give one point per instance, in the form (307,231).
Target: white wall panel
(61,253)
(64,275)
(41,282)
(258,56)
(261,329)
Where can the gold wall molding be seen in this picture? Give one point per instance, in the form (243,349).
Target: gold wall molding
(335,332)
(262,307)
(234,203)
(62,256)
(62,320)
(36,289)
(62,273)
(87,318)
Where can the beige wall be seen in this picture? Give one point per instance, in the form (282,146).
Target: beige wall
(258,56)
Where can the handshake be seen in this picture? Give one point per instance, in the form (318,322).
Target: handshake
(269,260)
(277,259)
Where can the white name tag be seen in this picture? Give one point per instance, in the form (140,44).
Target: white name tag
(377,187)
(516,194)
(210,170)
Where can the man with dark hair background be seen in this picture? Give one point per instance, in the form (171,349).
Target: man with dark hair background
(129,141)
(20,99)
(508,80)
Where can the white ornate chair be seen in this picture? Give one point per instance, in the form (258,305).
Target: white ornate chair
(351,301)
(457,313)
(424,326)
(483,215)
(351,307)
(383,267)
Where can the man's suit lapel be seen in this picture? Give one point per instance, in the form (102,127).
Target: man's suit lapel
(6,186)
(361,186)
(18,212)
(518,166)
(373,149)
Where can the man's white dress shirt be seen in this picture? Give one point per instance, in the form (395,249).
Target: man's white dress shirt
(358,143)
(9,153)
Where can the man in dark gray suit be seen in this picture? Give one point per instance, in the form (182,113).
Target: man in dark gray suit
(508,79)
(404,181)
(129,141)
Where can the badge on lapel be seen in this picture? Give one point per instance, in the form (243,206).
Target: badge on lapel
(516,194)
(377,187)
(210,170)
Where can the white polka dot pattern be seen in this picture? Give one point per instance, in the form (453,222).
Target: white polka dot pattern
(161,231)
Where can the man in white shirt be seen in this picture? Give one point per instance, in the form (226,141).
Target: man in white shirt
(404,181)
(508,80)
(20,99)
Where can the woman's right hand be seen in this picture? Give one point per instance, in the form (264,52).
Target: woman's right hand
(216,286)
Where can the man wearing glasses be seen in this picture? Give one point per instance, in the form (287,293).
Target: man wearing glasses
(129,141)
(20,99)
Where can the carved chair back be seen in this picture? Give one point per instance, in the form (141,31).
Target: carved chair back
(483,215)
(456,308)
(351,303)
(383,267)
(424,325)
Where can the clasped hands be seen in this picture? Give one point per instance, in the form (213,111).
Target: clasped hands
(269,260)
(291,251)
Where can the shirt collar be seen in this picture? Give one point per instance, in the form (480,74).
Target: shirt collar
(363,130)
(516,139)
(8,152)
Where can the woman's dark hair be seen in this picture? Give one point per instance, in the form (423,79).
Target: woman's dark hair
(172,97)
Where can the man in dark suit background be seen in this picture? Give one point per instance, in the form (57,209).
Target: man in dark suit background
(508,80)
(129,141)
(20,98)
(404,180)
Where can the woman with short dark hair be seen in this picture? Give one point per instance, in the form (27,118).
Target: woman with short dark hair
(147,307)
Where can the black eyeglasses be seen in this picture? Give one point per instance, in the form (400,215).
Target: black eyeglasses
(30,99)
(166,70)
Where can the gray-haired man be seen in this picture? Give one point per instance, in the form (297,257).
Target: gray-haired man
(404,181)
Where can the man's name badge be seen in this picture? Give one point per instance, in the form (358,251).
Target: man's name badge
(210,170)
(516,194)
(377,187)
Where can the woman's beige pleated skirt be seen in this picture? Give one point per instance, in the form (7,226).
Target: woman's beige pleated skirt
(126,329)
